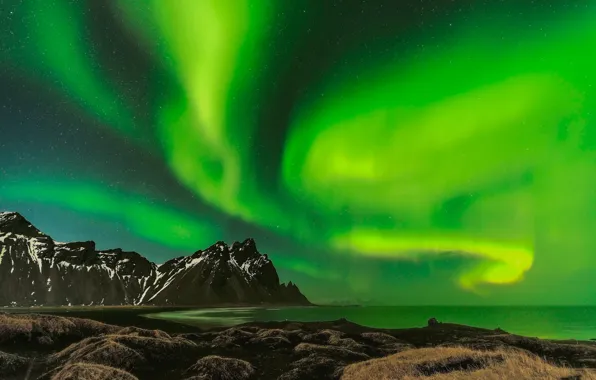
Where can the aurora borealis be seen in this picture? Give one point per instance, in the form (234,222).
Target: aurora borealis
(411,152)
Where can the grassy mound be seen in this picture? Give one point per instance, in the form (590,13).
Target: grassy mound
(459,363)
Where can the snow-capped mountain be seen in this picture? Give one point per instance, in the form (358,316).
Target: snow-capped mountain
(35,270)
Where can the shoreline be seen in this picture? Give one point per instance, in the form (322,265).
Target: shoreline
(120,315)
(214,306)
(140,316)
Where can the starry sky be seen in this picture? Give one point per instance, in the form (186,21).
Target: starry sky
(380,151)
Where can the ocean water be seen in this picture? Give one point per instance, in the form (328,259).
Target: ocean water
(542,322)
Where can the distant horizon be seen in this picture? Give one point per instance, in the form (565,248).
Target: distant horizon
(458,305)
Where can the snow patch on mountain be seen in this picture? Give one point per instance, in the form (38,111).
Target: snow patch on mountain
(36,270)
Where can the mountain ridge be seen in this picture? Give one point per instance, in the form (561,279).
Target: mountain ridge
(35,270)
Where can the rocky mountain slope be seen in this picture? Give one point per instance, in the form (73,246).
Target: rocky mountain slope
(35,270)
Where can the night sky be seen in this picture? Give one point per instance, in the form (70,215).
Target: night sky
(385,152)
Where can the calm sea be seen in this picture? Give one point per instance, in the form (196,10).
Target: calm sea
(541,322)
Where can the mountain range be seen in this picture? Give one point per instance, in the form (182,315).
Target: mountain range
(35,270)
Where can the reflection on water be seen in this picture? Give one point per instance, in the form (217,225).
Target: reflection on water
(542,322)
(209,317)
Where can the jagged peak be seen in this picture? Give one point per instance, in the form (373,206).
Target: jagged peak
(117,256)
(218,249)
(246,250)
(10,214)
(74,245)
(16,223)
(173,260)
(119,252)
(246,243)
(218,246)
(221,245)
(250,243)
(143,280)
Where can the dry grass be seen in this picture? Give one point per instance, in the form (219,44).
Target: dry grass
(100,350)
(123,351)
(11,363)
(459,363)
(135,331)
(218,368)
(86,371)
(45,328)
(339,353)
(334,338)
(271,333)
(380,338)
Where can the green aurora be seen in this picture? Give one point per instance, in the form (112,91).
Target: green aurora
(473,146)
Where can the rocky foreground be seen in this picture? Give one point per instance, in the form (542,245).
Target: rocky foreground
(48,347)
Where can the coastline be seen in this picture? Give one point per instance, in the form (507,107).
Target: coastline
(122,315)
(525,322)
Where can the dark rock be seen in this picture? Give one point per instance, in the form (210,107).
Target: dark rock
(242,252)
(433,322)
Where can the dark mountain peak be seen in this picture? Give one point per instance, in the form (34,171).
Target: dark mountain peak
(292,292)
(115,251)
(126,262)
(220,245)
(36,270)
(195,255)
(79,253)
(88,245)
(172,263)
(117,254)
(219,250)
(249,243)
(10,215)
(221,274)
(247,250)
(16,223)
